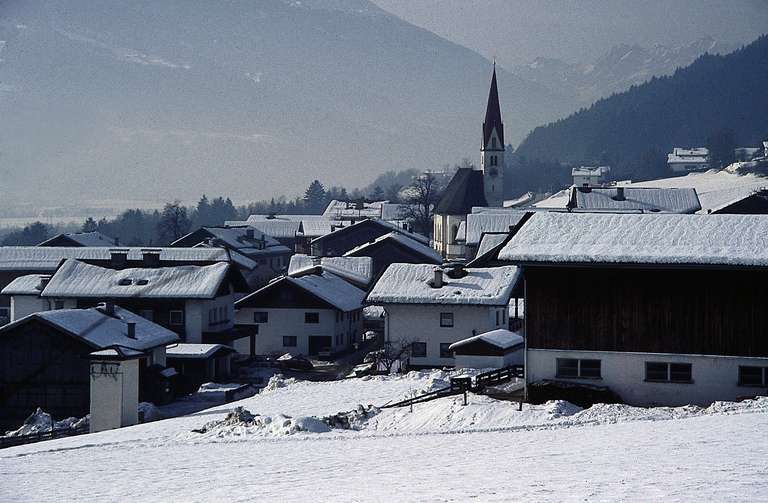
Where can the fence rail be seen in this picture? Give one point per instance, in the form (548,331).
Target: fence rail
(44,435)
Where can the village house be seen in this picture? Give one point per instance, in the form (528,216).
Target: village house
(590,176)
(393,248)
(269,256)
(688,159)
(498,348)
(430,308)
(470,187)
(356,270)
(636,199)
(44,358)
(17,261)
(94,238)
(312,314)
(199,363)
(196,302)
(342,240)
(661,309)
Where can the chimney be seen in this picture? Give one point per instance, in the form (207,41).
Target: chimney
(619,194)
(44,279)
(437,282)
(131,330)
(109,308)
(118,257)
(150,257)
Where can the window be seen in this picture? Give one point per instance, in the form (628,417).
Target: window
(446,320)
(147,314)
(753,376)
(444,351)
(289,341)
(311,317)
(58,304)
(497,318)
(5,313)
(575,368)
(176,317)
(260,317)
(222,313)
(668,372)
(419,349)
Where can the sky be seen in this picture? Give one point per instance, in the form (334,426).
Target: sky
(517,31)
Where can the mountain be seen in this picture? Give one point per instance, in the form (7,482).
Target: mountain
(713,94)
(617,70)
(122,100)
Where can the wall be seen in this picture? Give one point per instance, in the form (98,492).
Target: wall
(23,305)
(421,323)
(114,394)
(714,377)
(496,362)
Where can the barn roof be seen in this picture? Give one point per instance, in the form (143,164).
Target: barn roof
(325,286)
(600,238)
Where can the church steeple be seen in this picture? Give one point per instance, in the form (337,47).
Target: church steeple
(493,117)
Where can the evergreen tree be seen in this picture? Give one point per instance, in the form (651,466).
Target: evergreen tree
(377,194)
(89,225)
(314,197)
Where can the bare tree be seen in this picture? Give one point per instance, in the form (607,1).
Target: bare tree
(174,222)
(392,355)
(420,199)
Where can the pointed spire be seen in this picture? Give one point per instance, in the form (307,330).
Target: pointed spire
(493,113)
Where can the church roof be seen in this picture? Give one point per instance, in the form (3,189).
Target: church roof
(465,190)
(493,114)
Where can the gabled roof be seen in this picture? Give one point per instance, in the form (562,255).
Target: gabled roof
(279,228)
(656,199)
(500,338)
(603,238)
(31,284)
(464,191)
(359,270)
(500,221)
(237,238)
(94,238)
(101,330)
(411,284)
(399,240)
(383,224)
(327,287)
(493,114)
(41,258)
(489,241)
(75,279)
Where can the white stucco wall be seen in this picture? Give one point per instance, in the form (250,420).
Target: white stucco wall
(24,305)
(114,394)
(443,241)
(714,377)
(290,322)
(421,323)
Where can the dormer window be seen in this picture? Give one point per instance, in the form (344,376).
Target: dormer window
(125,282)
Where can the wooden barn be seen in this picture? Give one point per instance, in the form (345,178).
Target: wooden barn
(662,309)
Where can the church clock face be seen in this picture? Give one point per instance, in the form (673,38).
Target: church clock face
(493,172)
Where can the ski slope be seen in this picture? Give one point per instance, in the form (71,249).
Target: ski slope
(442,451)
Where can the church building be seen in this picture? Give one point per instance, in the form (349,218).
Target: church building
(473,187)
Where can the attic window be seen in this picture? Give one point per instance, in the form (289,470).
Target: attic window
(125,282)
(142,282)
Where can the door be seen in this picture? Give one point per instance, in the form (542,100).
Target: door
(319,343)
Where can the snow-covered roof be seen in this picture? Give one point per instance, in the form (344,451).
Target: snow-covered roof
(479,223)
(44,258)
(461,231)
(101,330)
(237,238)
(277,227)
(357,269)
(326,286)
(501,338)
(658,199)
(78,279)
(490,241)
(403,240)
(740,240)
(590,170)
(688,155)
(716,189)
(316,227)
(193,351)
(411,284)
(94,238)
(30,284)
(557,201)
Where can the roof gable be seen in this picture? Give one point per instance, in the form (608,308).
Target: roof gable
(465,190)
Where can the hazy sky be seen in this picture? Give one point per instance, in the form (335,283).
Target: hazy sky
(516,31)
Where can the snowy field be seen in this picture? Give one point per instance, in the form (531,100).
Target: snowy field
(442,451)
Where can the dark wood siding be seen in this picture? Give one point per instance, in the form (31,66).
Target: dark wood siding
(694,311)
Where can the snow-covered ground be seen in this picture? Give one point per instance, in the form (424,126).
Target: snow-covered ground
(442,451)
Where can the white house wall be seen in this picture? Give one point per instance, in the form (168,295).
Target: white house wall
(24,305)
(714,377)
(421,323)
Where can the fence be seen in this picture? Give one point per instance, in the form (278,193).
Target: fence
(44,435)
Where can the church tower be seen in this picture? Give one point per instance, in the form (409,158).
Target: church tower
(492,150)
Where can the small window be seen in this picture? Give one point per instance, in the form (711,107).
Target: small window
(289,341)
(125,282)
(260,317)
(311,317)
(446,320)
(581,369)
(58,304)
(5,312)
(147,314)
(176,317)
(419,349)
(753,376)
(668,372)
(444,351)
(142,282)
